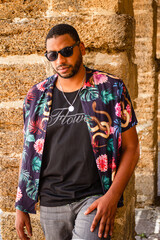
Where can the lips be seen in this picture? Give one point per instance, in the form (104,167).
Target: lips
(63,69)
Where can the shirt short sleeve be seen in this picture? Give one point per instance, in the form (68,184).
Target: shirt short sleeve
(128,117)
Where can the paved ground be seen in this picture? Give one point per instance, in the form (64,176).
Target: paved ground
(147,223)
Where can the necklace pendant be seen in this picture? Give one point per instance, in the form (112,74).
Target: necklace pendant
(71,108)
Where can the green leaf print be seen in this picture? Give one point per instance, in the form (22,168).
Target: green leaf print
(89,121)
(21,208)
(89,94)
(41,104)
(107,96)
(27,110)
(110,146)
(32,189)
(24,154)
(105,181)
(24,176)
(29,138)
(36,164)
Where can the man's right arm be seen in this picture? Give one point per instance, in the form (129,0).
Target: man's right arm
(22,221)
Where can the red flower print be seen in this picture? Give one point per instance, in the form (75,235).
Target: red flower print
(87,84)
(113,163)
(38,146)
(128,108)
(94,145)
(19,194)
(35,126)
(30,96)
(118,109)
(111,130)
(124,89)
(40,85)
(102,163)
(99,78)
(119,141)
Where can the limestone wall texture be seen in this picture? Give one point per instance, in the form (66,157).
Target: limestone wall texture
(119,38)
(158,67)
(145,13)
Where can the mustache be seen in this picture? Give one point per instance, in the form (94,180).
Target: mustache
(62,65)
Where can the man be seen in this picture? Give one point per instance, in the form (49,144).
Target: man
(80,146)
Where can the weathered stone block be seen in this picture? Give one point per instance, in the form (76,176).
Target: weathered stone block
(126,6)
(147,160)
(17,79)
(118,232)
(129,229)
(144,186)
(10,160)
(11,118)
(129,192)
(7,203)
(117,64)
(143,116)
(158,33)
(8,231)
(146,79)
(143,22)
(69,6)
(11,141)
(8,182)
(142,6)
(146,138)
(117,33)
(144,48)
(22,9)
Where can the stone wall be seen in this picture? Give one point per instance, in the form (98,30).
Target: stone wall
(107,29)
(158,65)
(145,59)
(145,50)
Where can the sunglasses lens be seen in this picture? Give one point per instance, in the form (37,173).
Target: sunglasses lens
(52,56)
(67,51)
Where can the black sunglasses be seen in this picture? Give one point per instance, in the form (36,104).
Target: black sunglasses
(65,52)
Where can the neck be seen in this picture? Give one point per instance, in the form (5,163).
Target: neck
(72,84)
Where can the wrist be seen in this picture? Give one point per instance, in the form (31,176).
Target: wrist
(114,195)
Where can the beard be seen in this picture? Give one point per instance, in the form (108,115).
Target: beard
(74,69)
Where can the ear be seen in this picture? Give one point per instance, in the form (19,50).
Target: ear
(82,48)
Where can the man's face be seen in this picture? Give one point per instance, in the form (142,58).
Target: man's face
(66,67)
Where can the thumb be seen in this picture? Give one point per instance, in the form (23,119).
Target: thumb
(91,208)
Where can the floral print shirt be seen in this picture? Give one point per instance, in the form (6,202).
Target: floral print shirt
(108,112)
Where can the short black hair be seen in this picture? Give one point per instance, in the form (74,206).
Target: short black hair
(62,29)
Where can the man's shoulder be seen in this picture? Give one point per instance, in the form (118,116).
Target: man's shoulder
(42,86)
(100,76)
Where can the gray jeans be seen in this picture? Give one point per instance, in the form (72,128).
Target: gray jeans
(69,222)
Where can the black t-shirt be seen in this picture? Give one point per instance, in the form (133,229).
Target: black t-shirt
(69,170)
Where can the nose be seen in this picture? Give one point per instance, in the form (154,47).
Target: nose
(60,60)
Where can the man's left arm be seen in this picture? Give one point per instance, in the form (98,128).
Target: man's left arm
(107,205)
